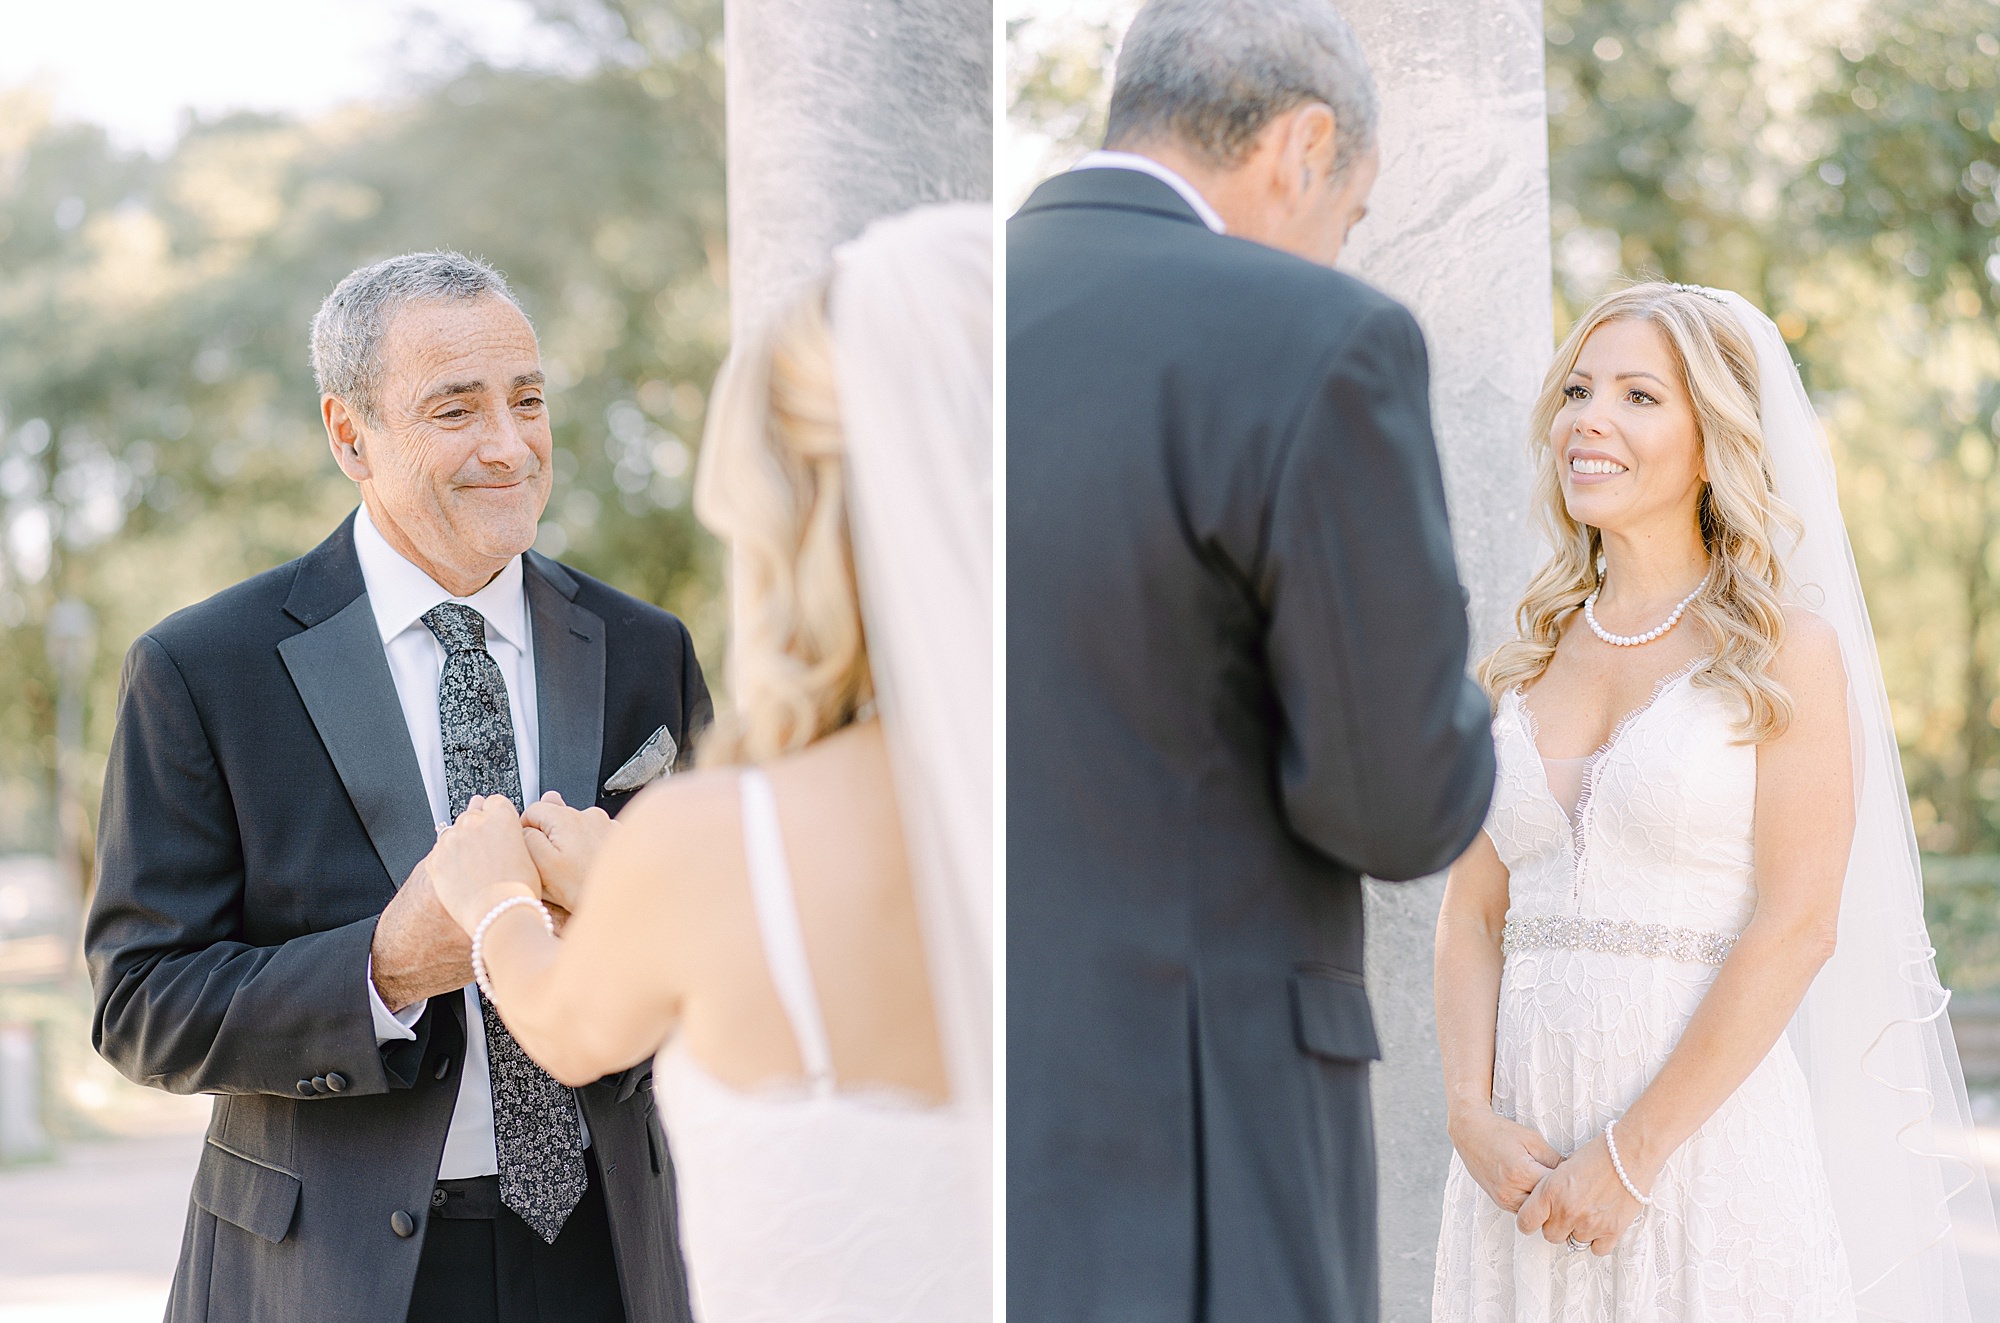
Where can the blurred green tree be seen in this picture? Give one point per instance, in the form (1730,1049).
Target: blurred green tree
(1908,182)
(1059,84)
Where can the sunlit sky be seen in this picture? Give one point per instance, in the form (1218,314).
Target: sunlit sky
(135,66)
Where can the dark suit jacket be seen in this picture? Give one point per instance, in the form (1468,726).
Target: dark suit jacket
(262,804)
(1236,654)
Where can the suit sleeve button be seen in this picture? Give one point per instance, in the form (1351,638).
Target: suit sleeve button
(336,1081)
(306,1088)
(319,1083)
(402,1224)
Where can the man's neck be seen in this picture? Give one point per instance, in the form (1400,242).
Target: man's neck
(1150,163)
(1214,185)
(1239,194)
(460,581)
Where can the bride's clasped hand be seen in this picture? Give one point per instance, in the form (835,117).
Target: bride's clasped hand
(1583,1201)
(1578,1197)
(491,853)
(1506,1159)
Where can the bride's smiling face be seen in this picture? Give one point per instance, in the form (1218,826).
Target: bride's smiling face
(1627,449)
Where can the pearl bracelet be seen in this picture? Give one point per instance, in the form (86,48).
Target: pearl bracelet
(479,936)
(1617,1165)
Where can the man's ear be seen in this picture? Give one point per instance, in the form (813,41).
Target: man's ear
(1308,144)
(343,434)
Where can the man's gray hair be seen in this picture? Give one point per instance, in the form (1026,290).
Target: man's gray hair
(347,330)
(1210,74)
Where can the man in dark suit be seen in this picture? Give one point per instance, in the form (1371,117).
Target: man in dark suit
(264,928)
(1236,657)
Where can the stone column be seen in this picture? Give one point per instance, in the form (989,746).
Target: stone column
(841,111)
(1457,229)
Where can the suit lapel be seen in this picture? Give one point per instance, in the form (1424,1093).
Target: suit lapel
(569,683)
(342,675)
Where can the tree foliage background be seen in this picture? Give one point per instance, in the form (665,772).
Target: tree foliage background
(1839,163)
(159,432)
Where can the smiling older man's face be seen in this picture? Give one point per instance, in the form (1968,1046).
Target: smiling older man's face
(456,464)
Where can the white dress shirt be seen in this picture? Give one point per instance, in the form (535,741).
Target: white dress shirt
(399,594)
(1148,166)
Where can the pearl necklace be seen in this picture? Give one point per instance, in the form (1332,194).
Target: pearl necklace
(1634,640)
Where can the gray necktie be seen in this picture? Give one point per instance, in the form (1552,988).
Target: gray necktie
(535,1131)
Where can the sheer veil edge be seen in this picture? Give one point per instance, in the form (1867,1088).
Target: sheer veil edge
(1889,1100)
(911,307)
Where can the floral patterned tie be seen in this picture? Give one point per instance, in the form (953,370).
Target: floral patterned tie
(536,1136)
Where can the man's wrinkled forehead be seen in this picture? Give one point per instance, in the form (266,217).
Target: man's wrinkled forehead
(440,347)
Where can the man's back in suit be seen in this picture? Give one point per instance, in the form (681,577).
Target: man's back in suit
(1236,679)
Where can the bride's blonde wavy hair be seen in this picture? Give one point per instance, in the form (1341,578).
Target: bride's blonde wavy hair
(773,486)
(1740,515)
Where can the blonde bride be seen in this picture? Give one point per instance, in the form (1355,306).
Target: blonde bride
(802,928)
(1694,1052)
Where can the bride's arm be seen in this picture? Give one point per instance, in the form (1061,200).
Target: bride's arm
(1506,1159)
(1804,828)
(605,995)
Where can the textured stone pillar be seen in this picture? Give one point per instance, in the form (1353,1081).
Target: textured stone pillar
(1458,229)
(841,111)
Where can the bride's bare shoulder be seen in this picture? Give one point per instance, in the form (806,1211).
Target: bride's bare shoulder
(1811,646)
(1810,667)
(688,809)
(841,762)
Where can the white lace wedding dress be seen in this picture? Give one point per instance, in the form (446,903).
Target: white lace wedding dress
(1618,919)
(811,1203)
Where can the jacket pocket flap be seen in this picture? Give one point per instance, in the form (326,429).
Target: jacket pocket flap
(259,1198)
(1330,1013)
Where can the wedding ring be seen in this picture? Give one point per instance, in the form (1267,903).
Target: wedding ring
(1574,1244)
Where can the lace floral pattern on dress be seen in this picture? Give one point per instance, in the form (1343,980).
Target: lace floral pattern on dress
(1743,1225)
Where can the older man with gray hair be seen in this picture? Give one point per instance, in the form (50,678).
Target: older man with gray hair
(1236,658)
(264,928)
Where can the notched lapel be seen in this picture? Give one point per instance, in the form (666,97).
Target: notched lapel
(569,685)
(343,677)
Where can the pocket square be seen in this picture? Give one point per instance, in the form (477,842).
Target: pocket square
(654,759)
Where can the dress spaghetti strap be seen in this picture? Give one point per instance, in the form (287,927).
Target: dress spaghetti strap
(778,925)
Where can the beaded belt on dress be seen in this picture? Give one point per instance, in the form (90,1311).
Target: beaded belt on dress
(1575,932)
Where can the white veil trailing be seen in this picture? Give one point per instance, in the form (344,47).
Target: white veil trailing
(911,307)
(1888,1095)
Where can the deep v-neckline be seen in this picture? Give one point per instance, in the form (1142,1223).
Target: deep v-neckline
(1579,820)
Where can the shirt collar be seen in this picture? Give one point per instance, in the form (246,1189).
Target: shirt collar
(399,593)
(1147,165)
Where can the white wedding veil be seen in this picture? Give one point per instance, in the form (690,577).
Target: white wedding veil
(911,308)
(1889,1099)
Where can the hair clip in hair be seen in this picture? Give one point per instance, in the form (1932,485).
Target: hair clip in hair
(1702,290)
